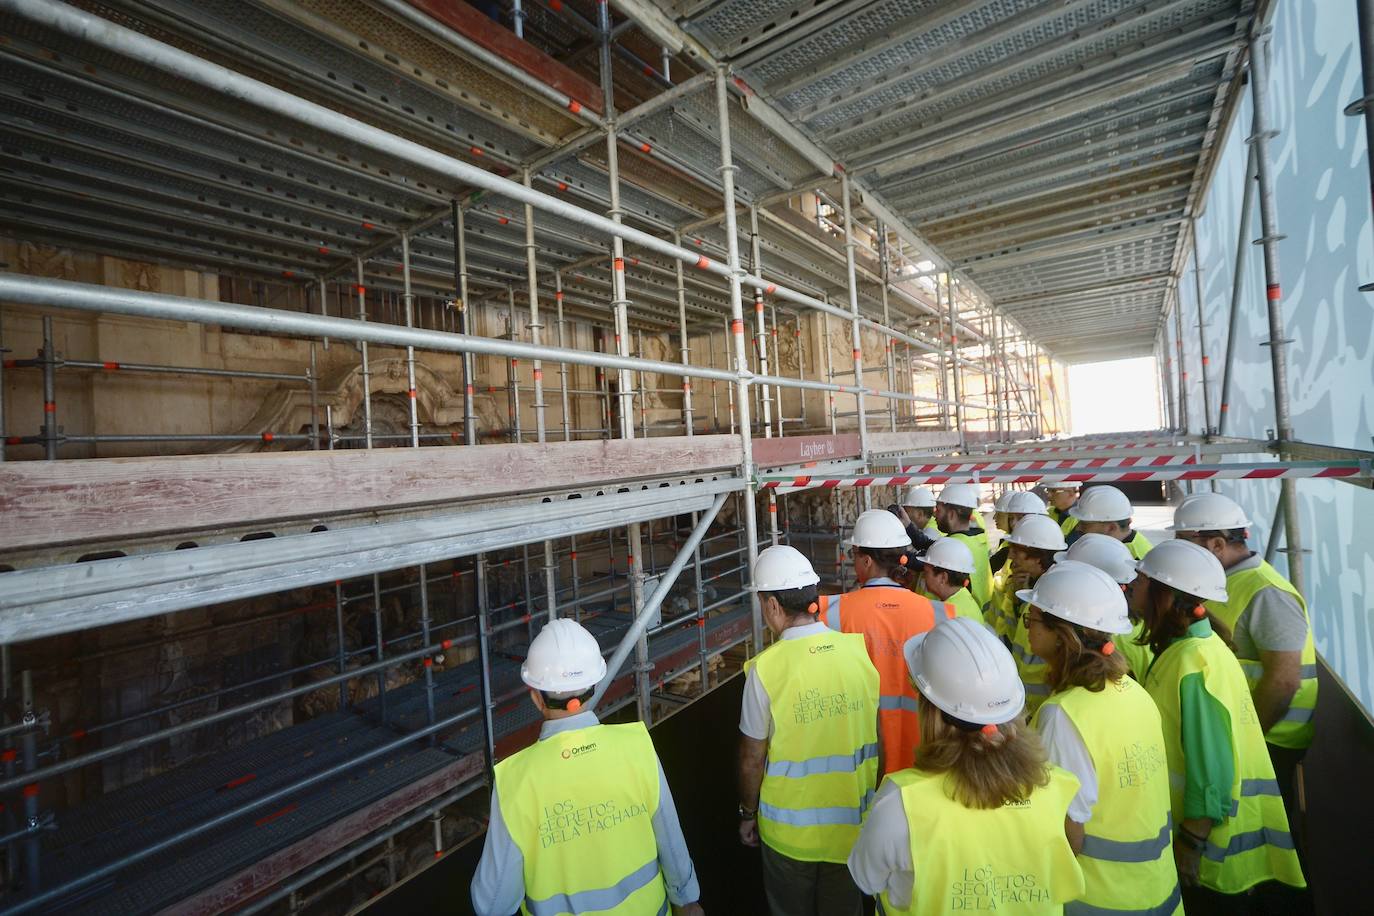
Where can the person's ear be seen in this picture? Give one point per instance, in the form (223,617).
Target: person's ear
(537,699)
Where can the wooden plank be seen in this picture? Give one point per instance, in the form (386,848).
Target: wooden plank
(279,866)
(883,443)
(472,24)
(45,503)
(771,453)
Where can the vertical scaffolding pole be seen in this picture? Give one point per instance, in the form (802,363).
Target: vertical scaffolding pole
(460,267)
(727,177)
(1201,335)
(685,348)
(3,351)
(887,323)
(1278,341)
(1364,19)
(484,662)
(760,325)
(852,280)
(957,373)
(49,360)
(365,371)
(1182,365)
(29,745)
(1247,201)
(562,366)
(536,327)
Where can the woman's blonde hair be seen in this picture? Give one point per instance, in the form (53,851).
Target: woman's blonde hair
(1081,662)
(988,769)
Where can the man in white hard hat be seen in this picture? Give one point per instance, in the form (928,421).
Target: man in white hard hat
(916,509)
(1106,510)
(955,511)
(1010,508)
(886,612)
(583,818)
(1113,558)
(945,572)
(1271,630)
(1062,495)
(809,752)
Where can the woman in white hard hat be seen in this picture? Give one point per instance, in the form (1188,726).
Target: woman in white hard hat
(956,512)
(1010,508)
(1231,830)
(886,612)
(978,823)
(1112,557)
(638,861)
(1106,510)
(1104,728)
(809,754)
(1033,545)
(945,571)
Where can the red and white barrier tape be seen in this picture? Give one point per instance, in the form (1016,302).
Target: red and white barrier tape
(1048,464)
(1046,449)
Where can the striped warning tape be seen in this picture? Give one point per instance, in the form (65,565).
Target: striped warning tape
(1050,464)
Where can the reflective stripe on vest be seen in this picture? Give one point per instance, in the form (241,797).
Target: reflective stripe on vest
(822,767)
(887,614)
(606,898)
(1013,858)
(1256,813)
(1127,855)
(1294,729)
(579,806)
(1173,905)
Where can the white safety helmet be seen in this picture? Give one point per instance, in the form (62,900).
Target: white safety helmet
(918,497)
(1023,502)
(782,568)
(952,554)
(1105,552)
(1064,485)
(1038,531)
(1209,512)
(962,668)
(563,659)
(1081,594)
(960,494)
(879,528)
(1183,565)
(1102,504)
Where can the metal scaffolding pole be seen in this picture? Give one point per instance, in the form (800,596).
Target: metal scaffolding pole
(727,178)
(1364,19)
(460,267)
(685,348)
(1278,341)
(562,366)
(364,370)
(536,328)
(1180,357)
(853,284)
(887,321)
(959,416)
(1201,335)
(408,300)
(1237,285)
(760,325)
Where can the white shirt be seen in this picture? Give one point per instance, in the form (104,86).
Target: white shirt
(881,858)
(1064,746)
(755,716)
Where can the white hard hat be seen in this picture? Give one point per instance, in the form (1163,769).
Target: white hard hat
(1187,567)
(951,554)
(781,568)
(879,528)
(960,494)
(964,669)
(1102,504)
(1209,512)
(1064,485)
(564,658)
(1023,502)
(918,497)
(1038,531)
(1080,594)
(1105,552)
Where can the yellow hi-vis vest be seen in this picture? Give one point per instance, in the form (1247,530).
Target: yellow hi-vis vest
(1127,857)
(1138,656)
(1065,521)
(1295,729)
(980,580)
(1253,844)
(580,806)
(963,603)
(1138,545)
(822,762)
(1000,611)
(1014,859)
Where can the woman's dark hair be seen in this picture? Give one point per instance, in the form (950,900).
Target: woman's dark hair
(1082,662)
(797,601)
(889,560)
(1177,617)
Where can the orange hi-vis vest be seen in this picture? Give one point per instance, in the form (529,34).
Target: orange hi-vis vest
(887,614)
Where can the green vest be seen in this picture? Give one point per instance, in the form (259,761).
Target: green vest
(1014,859)
(822,762)
(1137,545)
(1136,655)
(1033,669)
(963,603)
(980,580)
(1066,521)
(1295,729)
(1000,611)
(1127,857)
(1254,843)
(580,806)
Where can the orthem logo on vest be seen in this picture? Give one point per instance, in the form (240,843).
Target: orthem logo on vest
(571,752)
(814,650)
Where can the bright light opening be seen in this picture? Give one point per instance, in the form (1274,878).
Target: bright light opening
(1120,395)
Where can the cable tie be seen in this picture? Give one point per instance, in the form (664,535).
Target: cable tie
(288,274)
(475,150)
(703,262)
(446,644)
(562,186)
(323,250)
(645,148)
(368,226)
(267,437)
(110,366)
(49,407)
(573,104)
(618,264)
(31,790)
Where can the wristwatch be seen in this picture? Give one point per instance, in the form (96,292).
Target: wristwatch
(748,814)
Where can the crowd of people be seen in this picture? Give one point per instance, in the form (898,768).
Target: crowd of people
(1069,721)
